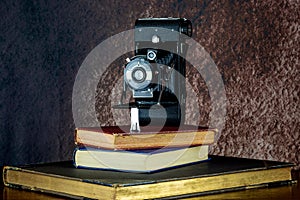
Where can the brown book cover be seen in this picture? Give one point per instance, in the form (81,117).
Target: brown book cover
(120,138)
(217,175)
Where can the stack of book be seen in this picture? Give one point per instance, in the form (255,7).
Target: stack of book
(115,148)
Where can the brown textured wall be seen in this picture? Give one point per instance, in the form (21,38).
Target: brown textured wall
(255,45)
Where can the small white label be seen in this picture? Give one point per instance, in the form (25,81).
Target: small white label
(135,126)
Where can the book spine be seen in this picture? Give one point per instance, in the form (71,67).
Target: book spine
(4,176)
(5,180)
(76,136)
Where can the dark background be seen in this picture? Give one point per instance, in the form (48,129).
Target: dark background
(255,45)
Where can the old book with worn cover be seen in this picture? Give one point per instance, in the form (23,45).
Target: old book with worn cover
(216,175)
(147,160)
(120,138)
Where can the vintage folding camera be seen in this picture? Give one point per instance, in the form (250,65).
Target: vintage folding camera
(156,74)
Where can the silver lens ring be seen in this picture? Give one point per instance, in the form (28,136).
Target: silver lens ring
(151,55)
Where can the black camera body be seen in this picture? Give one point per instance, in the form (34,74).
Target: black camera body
(156,74)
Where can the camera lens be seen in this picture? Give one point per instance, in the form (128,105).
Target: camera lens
(151,55)
(139,75)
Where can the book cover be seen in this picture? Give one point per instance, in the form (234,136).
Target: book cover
(120,138)
(219,174)
(140,160)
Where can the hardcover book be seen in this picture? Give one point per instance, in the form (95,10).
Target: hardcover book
(120,138)
(139,161)
(219,174)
